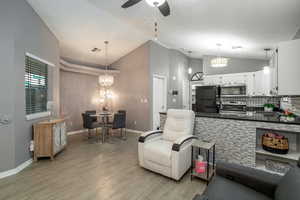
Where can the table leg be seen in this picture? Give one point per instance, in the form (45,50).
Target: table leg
(192,162)
(103,134)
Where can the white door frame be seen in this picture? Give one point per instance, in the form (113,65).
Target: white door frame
(165,97)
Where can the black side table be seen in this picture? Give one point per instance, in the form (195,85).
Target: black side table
(204,149)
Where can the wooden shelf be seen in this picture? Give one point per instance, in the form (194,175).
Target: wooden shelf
(292,155)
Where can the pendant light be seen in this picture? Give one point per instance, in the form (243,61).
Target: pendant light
(219,61)
(266,69)
(106,80)
(190,70)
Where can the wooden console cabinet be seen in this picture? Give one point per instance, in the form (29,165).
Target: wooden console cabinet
(50,138)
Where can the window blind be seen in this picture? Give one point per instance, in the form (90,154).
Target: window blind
(36,86)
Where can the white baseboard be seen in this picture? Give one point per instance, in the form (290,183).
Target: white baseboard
(134,131)
(85,130)
(15,170)
(77,132)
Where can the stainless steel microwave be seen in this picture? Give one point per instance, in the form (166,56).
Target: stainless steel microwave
(233,90)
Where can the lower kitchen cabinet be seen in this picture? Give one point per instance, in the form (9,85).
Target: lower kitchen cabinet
(50,138)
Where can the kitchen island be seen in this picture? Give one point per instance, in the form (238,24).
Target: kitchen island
(238,137)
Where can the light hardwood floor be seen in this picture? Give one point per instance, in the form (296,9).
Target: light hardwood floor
(96,171)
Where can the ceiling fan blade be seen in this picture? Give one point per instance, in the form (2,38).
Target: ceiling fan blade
(165,9)
(130,3)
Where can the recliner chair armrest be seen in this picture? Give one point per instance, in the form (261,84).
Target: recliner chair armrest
(258,180)
(180,141)
(145,135)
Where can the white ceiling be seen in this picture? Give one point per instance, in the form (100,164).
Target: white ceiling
(195,25)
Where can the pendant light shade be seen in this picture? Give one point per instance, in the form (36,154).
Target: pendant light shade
(219,61)
(106,80)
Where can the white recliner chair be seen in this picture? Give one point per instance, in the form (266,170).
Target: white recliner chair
(168,152)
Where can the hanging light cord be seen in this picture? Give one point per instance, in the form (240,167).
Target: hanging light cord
(106,55)
(155,21)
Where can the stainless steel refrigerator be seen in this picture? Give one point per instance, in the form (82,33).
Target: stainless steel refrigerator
(206,99)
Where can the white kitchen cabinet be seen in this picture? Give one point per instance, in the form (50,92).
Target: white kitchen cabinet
(258,83)
(262,83)
(289,68)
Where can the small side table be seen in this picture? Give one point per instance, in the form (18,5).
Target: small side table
(198,147)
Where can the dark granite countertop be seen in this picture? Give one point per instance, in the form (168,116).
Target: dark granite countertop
(259,117)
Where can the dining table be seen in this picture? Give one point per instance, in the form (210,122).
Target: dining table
(104,117)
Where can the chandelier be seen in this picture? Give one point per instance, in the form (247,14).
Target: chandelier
(106,80)
(219,61)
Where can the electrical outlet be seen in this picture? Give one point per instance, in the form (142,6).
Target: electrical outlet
(134,122)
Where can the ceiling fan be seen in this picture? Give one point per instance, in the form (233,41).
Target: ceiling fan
(162,5)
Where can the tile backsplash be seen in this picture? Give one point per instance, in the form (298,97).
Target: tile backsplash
(257,102)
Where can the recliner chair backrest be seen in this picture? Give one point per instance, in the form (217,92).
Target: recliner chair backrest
(178,123)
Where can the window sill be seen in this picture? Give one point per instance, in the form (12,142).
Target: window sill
(37,115)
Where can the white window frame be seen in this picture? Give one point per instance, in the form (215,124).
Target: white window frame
(40,114)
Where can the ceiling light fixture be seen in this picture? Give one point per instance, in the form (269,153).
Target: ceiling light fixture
(155,3)
(219,61)
(266,69)
(106,80)
(95,50)
(236,47)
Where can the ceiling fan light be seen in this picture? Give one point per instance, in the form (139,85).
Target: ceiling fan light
(155,3)
(219,62)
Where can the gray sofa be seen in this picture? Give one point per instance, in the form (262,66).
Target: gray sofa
(235,182)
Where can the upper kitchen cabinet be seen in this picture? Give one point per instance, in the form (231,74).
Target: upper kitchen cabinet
(262,85)
(289,68)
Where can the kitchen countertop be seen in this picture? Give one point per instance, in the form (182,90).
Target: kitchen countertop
(259,117)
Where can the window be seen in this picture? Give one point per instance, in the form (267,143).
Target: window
(36,86)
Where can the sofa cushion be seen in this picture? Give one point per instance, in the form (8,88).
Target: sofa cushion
(159,151)
(224,189)
(179,123)
(289,186)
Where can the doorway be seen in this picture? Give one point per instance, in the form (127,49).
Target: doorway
(159,99)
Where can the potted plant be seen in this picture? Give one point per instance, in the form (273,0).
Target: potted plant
(290,117)
(268,107)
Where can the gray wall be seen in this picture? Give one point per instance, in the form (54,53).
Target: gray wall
(30,35)
(168,63)
(77,94)
(6,86)
(132,87)
(297,36)
(235,65)
(196,65)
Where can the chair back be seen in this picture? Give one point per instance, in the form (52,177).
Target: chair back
(87,121)
(122,111)
(119,121)
(91,112)
(178,123)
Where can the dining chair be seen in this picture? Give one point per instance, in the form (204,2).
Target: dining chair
(90,124)
(119,122)
(91,112)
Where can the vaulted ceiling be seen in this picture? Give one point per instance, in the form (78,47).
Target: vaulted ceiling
(196,25)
